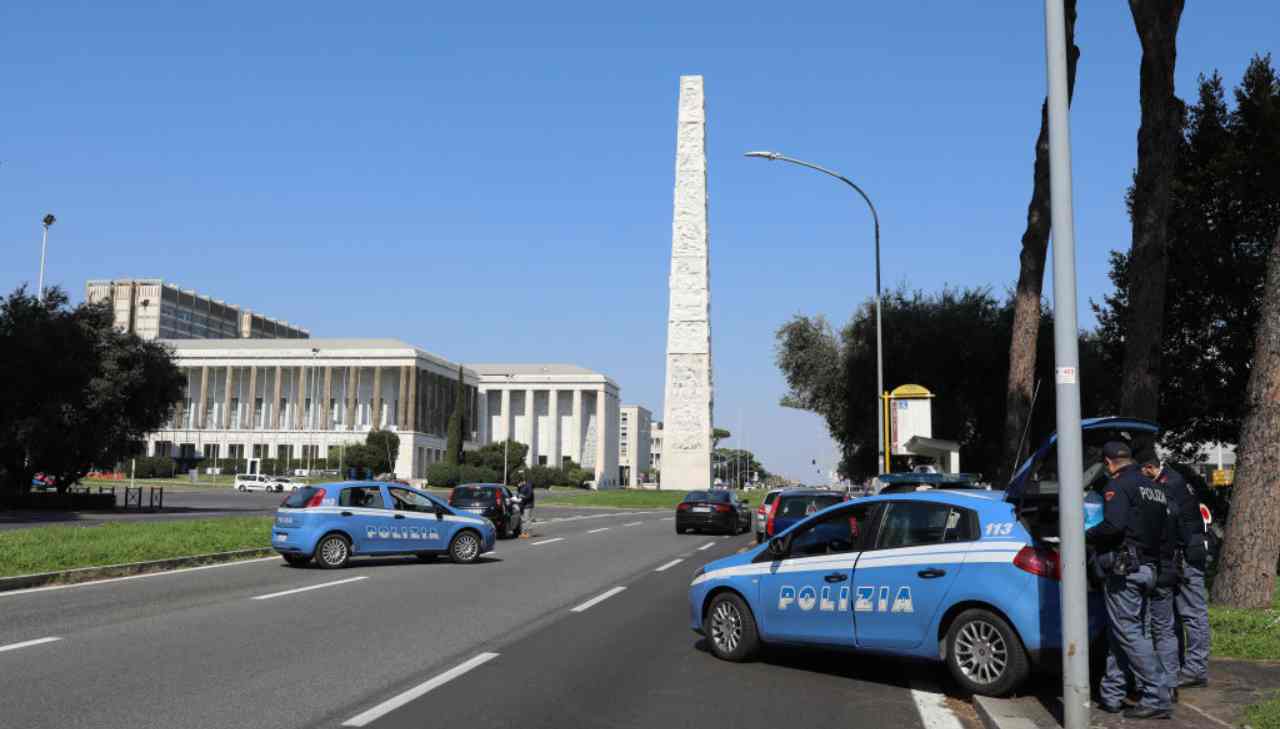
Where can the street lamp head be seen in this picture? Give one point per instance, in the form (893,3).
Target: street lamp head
(763,154)
(49,220)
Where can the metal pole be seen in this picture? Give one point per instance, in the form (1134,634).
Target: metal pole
(880,453)
(1075,629)
(44,241)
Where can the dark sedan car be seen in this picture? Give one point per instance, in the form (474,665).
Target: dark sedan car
(720,511)
(494,502)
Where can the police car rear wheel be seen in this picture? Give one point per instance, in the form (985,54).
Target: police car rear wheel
(730,628)
(465,548)
(333,552)
(984,654)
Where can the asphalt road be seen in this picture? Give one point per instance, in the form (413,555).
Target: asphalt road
(573,627)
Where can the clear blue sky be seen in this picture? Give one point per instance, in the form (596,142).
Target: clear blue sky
(493,181)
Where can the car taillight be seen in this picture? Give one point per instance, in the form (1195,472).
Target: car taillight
(316,499)
(499,499)
(773,512)
(1039,561)
(722,508)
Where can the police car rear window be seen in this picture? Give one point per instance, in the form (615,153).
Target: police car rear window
(298,499)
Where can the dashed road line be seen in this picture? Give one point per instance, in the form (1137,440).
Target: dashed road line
(601,529)
(708,545)
(669,565)
(597,599)
(309,588)
(546,541)
(28,643)
(634,523)
(418,691)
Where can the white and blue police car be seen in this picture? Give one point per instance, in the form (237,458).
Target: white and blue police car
(333,522)
(943,575)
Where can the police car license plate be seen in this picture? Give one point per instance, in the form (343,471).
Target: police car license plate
(702,508)
(282,537)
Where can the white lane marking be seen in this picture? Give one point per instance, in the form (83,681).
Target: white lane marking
(418,691)
(708,545)
(164,573)
(1206,715)
(669,565)
(634,523)
(601,529)
(28,643)
(546,541)
(933,710)
(597,599)
(308,588)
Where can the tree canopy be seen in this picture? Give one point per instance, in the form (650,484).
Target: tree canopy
(78,392)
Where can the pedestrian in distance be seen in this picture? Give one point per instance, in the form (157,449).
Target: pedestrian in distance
(1127,542)
(1190,598)
(526,501)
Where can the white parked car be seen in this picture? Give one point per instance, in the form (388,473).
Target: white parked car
(280,483)
(255,482)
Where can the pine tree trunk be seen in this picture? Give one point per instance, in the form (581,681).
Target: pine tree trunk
(1157,24)
(1026,303)
(1247,568)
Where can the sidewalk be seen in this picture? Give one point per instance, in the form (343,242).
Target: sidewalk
(1234,686)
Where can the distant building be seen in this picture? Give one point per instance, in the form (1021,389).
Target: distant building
(655,446)
(633,444)
(563,412)
(153,309)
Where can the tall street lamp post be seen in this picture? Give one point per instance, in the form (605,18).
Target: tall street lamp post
(44,244)
(881,456)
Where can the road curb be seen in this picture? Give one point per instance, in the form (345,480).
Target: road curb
(1025,713)
(87,574)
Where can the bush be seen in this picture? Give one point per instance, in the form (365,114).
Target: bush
(444,475)
(153,467)
(579,476)
(543,477)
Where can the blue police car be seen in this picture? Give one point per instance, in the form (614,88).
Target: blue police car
(967,577)
(333,522)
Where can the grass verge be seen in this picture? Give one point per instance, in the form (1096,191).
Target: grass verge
(1265,715)
(1247,634)
(56,548)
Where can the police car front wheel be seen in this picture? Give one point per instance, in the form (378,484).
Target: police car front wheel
(465,548)
(730,628)
(984,654)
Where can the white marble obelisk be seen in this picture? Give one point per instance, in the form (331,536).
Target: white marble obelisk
(686,449)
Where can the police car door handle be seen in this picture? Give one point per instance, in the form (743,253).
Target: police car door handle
(347,513)
(931,573)
(836,577)
(399,516)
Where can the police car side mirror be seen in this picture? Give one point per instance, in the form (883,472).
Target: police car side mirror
(439,512)
(778,546)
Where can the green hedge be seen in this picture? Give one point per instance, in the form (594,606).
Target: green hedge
(444,475)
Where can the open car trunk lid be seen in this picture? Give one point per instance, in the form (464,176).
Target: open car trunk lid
(1033,489)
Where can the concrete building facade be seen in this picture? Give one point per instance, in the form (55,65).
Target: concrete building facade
(634,423)
(303,399)
(153,309)
(561,411)
(655,446)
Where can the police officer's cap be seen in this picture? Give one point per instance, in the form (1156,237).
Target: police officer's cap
(1114,450)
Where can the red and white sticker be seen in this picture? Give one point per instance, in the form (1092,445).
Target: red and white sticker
(1065,375)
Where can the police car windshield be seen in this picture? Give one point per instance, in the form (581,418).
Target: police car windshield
(298,499)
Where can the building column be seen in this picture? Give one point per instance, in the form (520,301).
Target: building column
(375,401)
(553,413)
(602,436)
(253,401)
(412,406)
(402,402)
(326,417)
(200,422)
(575,446)
(180,412)
(531,419)
(226,399)
(353,393)
(507,418)
(274,403)
(300,384)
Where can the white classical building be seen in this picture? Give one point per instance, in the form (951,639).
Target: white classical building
(300,399)
(562,412)
(634,422)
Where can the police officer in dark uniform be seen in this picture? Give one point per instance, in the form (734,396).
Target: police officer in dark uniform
(1190,598)
(1127,542)
(1160,610)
